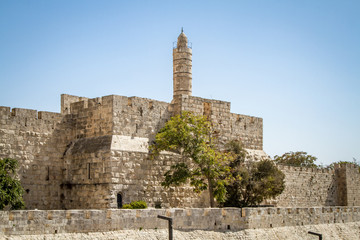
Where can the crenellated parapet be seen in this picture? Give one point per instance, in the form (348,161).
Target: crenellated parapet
(7,112)
(67,100)
(305,169)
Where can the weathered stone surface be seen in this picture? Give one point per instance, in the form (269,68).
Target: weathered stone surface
(209,219)
(306,187)
(128,143)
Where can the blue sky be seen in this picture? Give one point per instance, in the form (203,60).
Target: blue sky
(296,64)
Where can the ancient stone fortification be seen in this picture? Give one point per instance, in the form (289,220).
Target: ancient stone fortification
(94,154)
(212,219)
(320,187)
(99,148)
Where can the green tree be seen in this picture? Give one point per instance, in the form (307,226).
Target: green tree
(11,190)
(190,136)
(297,159)
(251,182)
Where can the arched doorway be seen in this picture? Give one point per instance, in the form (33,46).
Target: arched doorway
(119,200)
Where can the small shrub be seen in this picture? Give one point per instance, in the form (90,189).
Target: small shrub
(126,206)
(138,204)
(135,205)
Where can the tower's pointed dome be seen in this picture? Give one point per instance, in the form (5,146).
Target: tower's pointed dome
(182,40)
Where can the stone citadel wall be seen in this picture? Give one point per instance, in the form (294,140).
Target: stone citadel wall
(37,140)
(87,180)
(24,222)
(97,149)
(319,187)
(141,117)
(109,155)
(307,187)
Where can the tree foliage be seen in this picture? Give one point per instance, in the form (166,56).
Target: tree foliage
(11,190)
(190,136)
(296,159)
(228,178)
(252,182)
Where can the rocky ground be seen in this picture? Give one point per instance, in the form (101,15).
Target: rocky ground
(336,231)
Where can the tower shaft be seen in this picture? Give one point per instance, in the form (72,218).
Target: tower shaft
(182,64)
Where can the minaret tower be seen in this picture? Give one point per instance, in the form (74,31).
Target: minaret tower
(182,63)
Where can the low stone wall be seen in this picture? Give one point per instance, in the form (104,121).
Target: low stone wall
(282,217)
(70,221)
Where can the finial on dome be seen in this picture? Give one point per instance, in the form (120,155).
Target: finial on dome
(182,29)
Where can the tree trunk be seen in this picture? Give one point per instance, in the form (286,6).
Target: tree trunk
(211,194)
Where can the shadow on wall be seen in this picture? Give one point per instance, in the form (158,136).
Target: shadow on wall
(331,199)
